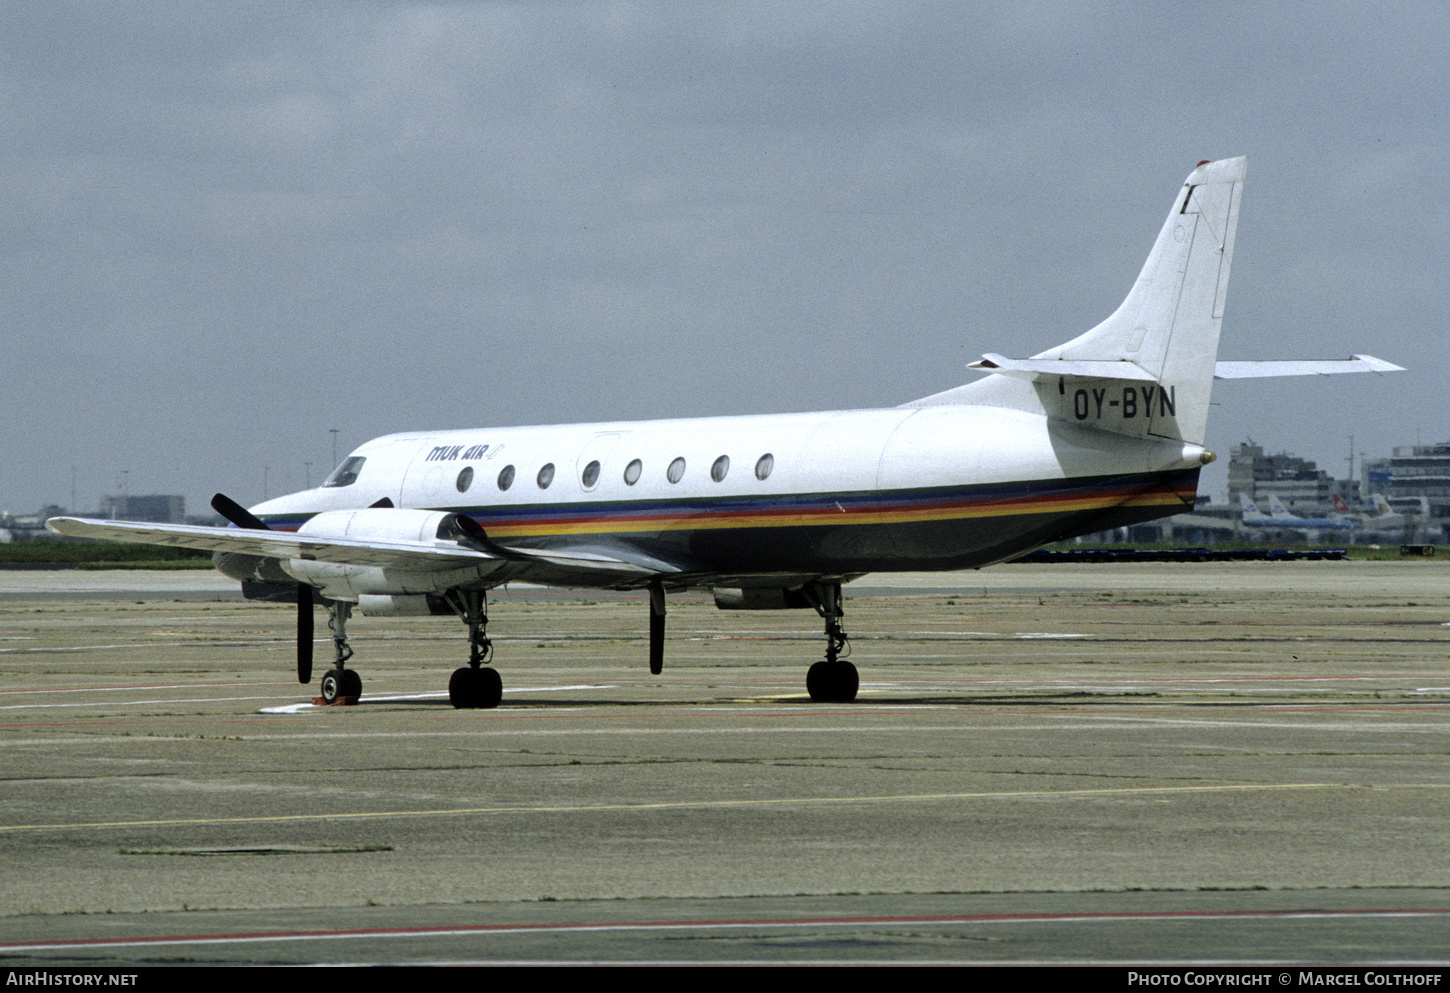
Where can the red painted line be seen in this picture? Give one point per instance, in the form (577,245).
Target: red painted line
(765,922)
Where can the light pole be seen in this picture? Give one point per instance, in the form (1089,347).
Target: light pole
(334,446)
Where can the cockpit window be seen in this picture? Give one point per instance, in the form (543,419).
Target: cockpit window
(346,472)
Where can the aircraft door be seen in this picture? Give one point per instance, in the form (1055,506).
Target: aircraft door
(593,467)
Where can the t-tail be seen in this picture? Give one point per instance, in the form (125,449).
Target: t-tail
(1148,370)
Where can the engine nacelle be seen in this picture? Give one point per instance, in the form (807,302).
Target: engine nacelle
(380,605)
(760,599)
(423,528)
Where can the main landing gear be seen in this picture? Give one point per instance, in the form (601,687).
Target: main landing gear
(833,680)
(476,686)
(339,681)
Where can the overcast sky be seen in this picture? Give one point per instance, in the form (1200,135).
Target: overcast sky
(229,228)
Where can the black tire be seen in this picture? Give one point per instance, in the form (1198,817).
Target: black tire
(490,687)
(332,684)
(463,689)
(351,683)
(818,682)
(832,682)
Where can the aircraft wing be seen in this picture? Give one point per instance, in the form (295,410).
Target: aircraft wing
(1261,370)
(274,544)
(413,556)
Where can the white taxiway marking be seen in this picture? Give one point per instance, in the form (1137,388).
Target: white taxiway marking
(759,923)
(134,703)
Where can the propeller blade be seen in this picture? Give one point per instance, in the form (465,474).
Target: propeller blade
(383,504)
(656,629)
(236,513)
(304,633)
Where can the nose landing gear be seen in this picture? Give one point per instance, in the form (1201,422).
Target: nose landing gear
(339,682)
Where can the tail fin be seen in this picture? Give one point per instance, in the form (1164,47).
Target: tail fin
(1277,510)
(1250,511)
(1148,369)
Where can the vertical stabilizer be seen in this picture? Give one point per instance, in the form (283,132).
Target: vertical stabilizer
(1148,370)
(1168,325)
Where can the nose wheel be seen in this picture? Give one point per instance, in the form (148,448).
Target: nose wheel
(339,681)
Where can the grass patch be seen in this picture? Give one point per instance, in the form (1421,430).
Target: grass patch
(102,555)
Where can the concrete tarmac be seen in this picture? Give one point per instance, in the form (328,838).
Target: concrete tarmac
(1228,762)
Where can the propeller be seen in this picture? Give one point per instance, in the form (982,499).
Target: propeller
(304,633)
(244,518)
(656,628)
(236,513)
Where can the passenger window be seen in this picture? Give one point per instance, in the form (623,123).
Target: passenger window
(465,479)
(720,468)
(676,471)
(506,477)
(591,475)
(346,472)
(632,471)
(763,466)
(546,475)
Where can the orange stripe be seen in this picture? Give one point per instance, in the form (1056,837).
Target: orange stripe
(714,520)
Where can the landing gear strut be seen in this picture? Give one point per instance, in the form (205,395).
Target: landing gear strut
(833,680)
(475,686)
(339,681)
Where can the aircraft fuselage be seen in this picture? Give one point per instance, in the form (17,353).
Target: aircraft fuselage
(752,498)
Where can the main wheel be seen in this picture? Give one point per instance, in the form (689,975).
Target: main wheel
(351,683)
(475,688)
(832,682)
(332,686)
(490,687)
(463,689)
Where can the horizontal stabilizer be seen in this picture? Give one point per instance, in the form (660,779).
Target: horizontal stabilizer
(1085,368)
(1264,370)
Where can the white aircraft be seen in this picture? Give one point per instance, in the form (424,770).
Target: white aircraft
(1282,516)
(1104,431)
(1385,516)
(1407,524)
(1254,517)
